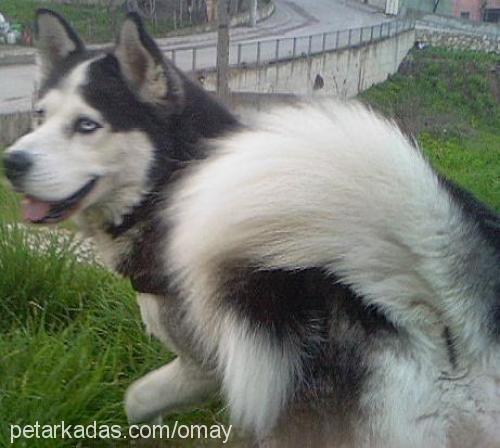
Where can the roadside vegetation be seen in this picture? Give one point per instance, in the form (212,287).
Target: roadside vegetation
(71,338)
(450,101)
(98,23)
(95,23)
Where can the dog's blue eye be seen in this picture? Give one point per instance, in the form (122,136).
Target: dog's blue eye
(86,126)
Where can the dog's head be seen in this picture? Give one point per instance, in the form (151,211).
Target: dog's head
(95,122)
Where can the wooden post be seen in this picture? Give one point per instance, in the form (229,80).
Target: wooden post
(253,13)
(223,49)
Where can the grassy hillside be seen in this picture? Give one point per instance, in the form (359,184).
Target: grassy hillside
(95,23)
(450,100)
(71,339)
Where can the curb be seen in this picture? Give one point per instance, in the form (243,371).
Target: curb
(26,58)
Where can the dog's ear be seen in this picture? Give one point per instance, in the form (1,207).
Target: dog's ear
(55,40)
(143,65)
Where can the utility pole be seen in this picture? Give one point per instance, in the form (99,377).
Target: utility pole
(253,13)
(223,49)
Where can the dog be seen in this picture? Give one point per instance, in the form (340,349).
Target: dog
(310,266)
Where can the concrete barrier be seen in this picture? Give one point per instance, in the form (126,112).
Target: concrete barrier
(17,55)
(12,126)
(344,72)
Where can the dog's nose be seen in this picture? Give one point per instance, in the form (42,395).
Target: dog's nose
(16,165)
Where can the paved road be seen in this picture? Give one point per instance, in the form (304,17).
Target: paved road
(292,18)
(16,87)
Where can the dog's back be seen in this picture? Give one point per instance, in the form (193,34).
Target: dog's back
(349,293)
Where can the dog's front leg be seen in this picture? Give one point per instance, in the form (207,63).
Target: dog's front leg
(167,389)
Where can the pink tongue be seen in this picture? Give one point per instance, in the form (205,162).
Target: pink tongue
(34,210)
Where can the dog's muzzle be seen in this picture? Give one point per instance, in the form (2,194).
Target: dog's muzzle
(16,166)
(38,211)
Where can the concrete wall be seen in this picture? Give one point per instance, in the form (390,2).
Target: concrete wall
(345,72)
(380,4)
(12,126)
(444,6)
(459,41)
(241,103)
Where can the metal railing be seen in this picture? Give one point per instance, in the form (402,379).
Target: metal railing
(261,52)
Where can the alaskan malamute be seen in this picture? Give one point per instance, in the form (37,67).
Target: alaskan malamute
(311,266)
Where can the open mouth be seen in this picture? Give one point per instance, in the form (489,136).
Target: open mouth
(45,212)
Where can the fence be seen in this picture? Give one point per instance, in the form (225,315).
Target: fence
(260,55)
(264,52)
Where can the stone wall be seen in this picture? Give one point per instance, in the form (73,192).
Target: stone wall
(458,40)
(344,72)
(454,23)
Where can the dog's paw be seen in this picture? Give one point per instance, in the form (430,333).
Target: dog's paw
(138,408)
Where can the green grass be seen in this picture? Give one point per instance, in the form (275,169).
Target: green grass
(94,23)
(71,338)
(473,163)
(450,101)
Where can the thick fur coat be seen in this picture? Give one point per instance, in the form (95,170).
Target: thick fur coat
(312,266)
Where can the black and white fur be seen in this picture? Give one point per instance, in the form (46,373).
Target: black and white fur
(312,266)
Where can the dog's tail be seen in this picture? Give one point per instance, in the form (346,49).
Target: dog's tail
(339,188)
